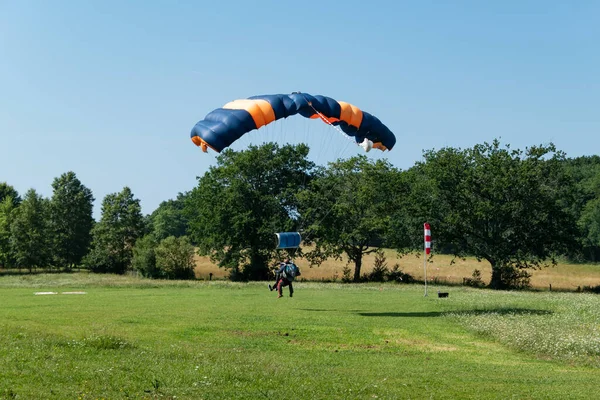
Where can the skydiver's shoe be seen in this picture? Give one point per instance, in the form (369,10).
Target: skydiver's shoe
(279,296)
(270,287)
(290,294)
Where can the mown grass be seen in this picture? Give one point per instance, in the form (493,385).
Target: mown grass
(134,338)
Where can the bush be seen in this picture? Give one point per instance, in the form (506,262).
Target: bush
(396,275)
(475,280)
(175,258)
(346,274)
(512,277)
(592,289)
(380,269)
(103,261)
(144,257)
(381,272)
(171,258)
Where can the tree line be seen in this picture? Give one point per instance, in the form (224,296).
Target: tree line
(60,233)
(517,209)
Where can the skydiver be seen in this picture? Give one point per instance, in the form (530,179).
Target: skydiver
(284,276)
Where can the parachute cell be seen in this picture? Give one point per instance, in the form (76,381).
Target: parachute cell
(223,126)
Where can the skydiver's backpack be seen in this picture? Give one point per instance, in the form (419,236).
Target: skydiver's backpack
(291,271)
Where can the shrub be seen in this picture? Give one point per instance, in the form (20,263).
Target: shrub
(592,289)
(475,280)
(514,278)
(144,257)
(396,275)
(380,269)
(346,274)
(175,258)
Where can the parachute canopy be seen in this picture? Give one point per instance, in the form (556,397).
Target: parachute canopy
(223,126)
(288,240)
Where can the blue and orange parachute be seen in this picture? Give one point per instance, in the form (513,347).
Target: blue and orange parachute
(223,126)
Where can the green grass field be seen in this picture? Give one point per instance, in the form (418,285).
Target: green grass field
(134,338)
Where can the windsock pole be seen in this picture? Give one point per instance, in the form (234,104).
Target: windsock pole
(427,234)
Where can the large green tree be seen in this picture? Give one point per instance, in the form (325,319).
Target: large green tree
(169,219)
(71,220)
(9,199)
(114,236)
(30,239)
(409,212)
(586,174)
(241,202)
(348,209)
(506,206)
(7,207)
(589,224)
(7,190)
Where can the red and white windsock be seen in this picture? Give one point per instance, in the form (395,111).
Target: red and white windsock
(427,238)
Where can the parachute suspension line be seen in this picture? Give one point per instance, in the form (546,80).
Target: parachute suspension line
(327,121)
(340,151)
(326,140)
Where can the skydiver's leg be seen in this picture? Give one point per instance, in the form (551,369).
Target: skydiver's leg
(291,289)
(280,288)
(271,288)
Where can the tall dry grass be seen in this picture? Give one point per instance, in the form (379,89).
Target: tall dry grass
(562,277)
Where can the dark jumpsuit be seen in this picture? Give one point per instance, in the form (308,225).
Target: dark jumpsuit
(283,281)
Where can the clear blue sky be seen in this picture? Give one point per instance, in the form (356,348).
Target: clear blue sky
(111,89)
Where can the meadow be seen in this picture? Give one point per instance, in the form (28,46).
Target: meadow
(441,268)
(129,337)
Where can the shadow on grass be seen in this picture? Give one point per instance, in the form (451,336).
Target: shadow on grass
(402,314)
(500,311)
(328,309)
(24,272)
